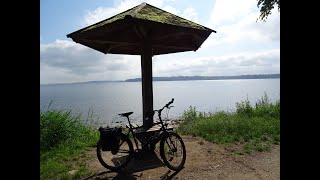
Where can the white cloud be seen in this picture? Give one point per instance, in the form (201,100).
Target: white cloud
(102,13)
(65,61)
(230,11)
(190,14)
(171,10)
(76,62)
(234,64)
(235,22)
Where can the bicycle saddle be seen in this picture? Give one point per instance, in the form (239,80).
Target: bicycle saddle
(125,114)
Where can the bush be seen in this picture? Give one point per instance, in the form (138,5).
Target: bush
(62,138)
(260,123)
(58,127)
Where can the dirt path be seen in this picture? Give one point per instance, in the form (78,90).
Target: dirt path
(206,161)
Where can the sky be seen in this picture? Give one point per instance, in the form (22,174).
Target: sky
(242,45)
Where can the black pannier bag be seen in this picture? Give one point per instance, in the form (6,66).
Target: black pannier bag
(110,138)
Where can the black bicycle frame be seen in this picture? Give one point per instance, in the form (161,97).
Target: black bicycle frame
(158,137)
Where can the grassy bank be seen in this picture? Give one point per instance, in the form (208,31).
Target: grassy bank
(63,139)
(255,127)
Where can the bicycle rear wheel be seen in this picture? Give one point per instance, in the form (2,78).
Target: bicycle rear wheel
(173,151)
(116,159)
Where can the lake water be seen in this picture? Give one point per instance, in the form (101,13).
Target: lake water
(111,98)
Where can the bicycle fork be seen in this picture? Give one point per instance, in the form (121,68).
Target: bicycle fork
(172,150)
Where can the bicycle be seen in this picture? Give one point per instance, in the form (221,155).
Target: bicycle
(115,149)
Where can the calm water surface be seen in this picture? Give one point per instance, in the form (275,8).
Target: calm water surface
(111,98)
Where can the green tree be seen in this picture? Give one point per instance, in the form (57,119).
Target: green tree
(265,8)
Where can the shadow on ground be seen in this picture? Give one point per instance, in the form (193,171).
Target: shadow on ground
(135,169)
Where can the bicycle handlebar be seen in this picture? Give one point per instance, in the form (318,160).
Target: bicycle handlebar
(165,106)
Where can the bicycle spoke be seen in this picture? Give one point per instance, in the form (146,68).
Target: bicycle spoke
(118,157)
(123,151)
(173,151)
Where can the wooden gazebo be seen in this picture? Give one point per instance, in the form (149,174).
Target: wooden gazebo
(147,31)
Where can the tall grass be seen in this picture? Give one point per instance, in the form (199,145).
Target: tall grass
(63,137)
(257,126)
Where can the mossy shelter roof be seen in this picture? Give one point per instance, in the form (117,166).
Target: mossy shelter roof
(126,32)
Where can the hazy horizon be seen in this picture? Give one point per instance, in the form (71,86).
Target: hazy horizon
(155,80)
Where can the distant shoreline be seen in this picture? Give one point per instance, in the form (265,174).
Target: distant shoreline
(191,78)
(186,78)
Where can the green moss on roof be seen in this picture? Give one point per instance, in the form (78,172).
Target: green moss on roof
(151,13)
(147,12)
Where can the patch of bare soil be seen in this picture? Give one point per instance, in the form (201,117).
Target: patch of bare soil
(204,161)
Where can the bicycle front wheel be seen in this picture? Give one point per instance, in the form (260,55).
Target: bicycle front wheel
(116,159)
(173,151)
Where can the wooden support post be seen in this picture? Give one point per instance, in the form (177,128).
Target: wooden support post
(147,92)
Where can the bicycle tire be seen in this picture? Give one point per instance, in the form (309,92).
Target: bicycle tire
(106,157)
(172,139)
